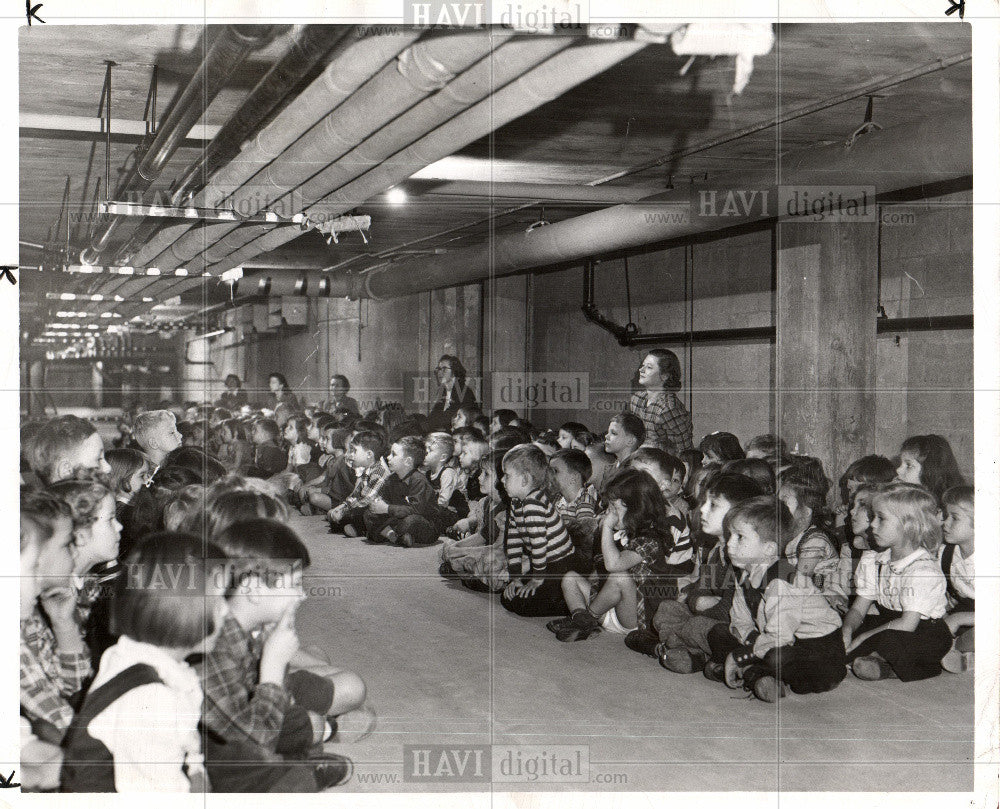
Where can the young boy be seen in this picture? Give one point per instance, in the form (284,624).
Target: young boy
(268,458)
(401,514)
(668,472)
(577,503)
(956,557)
(256,704)
(156,432)
(474,447)
(65,445)
(625,435)
(366,454)
(443,473)
(55,661)
(782,630)
(538,548)
(683,627)
(337,482)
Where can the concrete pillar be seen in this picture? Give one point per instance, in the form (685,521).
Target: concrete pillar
(825,349)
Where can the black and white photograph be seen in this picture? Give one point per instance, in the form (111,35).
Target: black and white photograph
(489,397)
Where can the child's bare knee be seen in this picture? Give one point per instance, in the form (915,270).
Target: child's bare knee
(349,691)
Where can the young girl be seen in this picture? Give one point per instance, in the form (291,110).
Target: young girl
(721,448)
(859,525)
(908,637)
(927,460)
(138,728)
(185,510)
(130,471)
(813,549)
(638,547)
(957,563)
(872,470)
(96,543)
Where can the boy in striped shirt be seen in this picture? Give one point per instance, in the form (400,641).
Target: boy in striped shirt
(538,548)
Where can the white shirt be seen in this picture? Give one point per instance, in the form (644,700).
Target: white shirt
(963,572)
(786,612)
(152,730)
(913,584)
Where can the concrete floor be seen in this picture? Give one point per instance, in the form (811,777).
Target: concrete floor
(448,670)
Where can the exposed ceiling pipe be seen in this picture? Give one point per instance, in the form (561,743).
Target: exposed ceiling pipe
(556,192)
(420,70)
(358,62)
(542,84)
(225,55)
(310,44)
(902,157)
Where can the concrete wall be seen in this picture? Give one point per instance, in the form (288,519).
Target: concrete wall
(924,383)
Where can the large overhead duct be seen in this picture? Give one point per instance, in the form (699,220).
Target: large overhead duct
(352,68)
(904,157)
(420,70)
(543,83)
(309,44)
(226,54)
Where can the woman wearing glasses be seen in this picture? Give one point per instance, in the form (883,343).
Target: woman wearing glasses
(453,393)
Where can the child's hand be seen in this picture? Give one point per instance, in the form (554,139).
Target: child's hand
(529,588)
(60,603)
(379,506)
(294,483)
(513,589)
(281,644)
(337,514)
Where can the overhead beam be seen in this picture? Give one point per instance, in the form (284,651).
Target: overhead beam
(37,125)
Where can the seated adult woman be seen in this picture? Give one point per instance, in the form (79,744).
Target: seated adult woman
(338,399)
(281,393)
(453,393)
(234,396)
(667,422)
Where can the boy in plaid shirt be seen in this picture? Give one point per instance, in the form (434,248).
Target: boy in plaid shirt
(256,709)
(366,453)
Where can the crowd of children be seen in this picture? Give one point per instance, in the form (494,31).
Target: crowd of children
(728,560)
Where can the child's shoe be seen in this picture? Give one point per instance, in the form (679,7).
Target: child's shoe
(768,689)
(956,662)
(350,530)
(389,536)
(682,660)
(306,510)
(582,624)
(353,726)
(872,667)
(331,769)
(715,672)
(643,642)
(447,570)
(558,623)
(406,540)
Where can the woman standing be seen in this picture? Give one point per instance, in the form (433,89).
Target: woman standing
(234,396)
(452,393)
(281,393)
(668,424)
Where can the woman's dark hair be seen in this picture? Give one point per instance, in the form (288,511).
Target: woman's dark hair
(457,369)
(756,468)
(644,507)
(872,470)
(174,612)
(670,367)
(280,378)
(233,378)
(342,378)
(938,468)
(724,446)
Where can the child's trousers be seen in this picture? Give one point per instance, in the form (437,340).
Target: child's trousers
(807,666)
(912,655)
(547,600)
(677,626)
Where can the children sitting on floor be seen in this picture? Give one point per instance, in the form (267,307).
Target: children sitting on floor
(908,637)
(137,730)
(683,627)
(782,631)
(538,548)
(257,702)
(957,563)
(366,454)
(402,513)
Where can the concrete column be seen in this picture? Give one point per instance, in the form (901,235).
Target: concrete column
(825,349)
